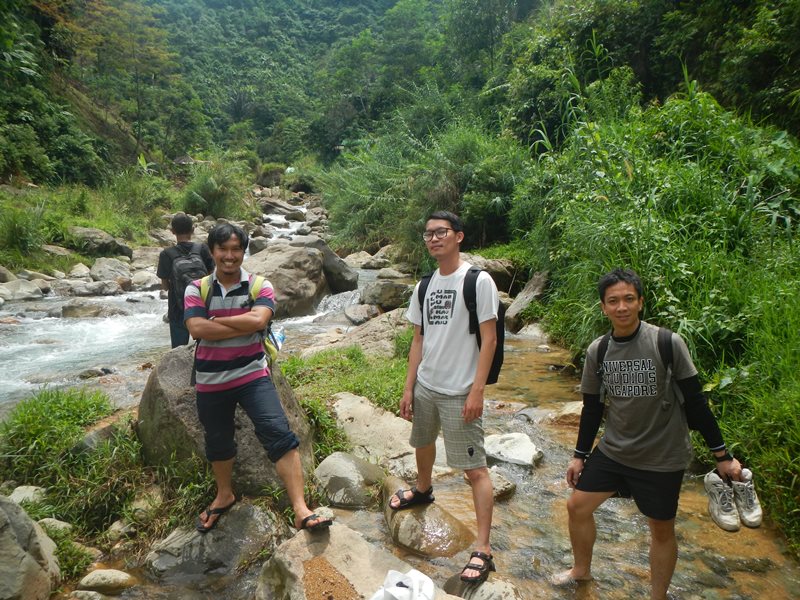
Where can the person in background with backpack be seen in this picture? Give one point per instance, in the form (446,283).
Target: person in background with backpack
(645,447)
(447,373)
(177,266)
(231,370)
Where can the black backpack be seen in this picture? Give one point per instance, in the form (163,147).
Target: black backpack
(187,266)
(470,299)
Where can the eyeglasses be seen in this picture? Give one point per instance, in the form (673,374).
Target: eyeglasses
(440,233)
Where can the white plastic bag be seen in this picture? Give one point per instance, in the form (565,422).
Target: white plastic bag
(411,586)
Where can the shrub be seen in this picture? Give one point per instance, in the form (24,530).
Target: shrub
(215,189)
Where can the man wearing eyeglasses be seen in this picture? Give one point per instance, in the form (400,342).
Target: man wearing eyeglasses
(446,378)
(231,370)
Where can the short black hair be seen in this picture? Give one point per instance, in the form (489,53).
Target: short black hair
(446,215)
(181,224)
(614,277)
(222,233)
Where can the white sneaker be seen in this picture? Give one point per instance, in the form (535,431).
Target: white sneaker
(746,500)
(720,502)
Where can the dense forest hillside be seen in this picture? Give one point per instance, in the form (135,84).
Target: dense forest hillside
(573,136)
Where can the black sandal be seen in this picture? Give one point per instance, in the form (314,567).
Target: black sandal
(483,568)
(417,497)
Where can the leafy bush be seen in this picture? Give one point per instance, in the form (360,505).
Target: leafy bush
(216,189)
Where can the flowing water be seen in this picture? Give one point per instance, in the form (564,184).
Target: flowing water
(530,536)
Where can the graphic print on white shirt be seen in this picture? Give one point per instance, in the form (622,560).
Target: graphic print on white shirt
(440,306)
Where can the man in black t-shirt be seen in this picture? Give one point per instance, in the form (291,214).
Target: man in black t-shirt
(182,227)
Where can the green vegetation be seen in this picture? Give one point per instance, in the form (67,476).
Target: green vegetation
(315,380)
(572,136)
(91,486)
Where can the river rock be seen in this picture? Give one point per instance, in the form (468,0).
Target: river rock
(533,290)
(96,242)
(51,524)
(386,294)
(187,555)
(110,269)
(79,287)
(167,424)
(339,562)
(273,205)
(27,493)
(428,529)
(145,281)
(295,273)
(493,588)
(82,309)
(6,275)
(338,274)
(80,271)
(348,480)
(375,262)
(502,487)
(569,414)
(379,437)
(257,244)
(357,259)
(34,275)
(515,448)
(28,566)
(358,314)
(20,289)
(107,581)
(390,273)
(501,269)
(86,595)
(375,337)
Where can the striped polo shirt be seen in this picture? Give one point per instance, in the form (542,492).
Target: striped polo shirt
(226,364)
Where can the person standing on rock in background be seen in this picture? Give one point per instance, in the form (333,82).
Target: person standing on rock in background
(198,256)
(445,383)
(645,447)
(231,370)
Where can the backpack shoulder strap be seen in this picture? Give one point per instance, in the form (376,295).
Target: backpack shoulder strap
(256,283)
(602,348)
(205,289)
(665,347)
(471,297)
(424,282)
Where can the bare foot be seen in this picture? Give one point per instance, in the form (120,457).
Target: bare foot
(568,578)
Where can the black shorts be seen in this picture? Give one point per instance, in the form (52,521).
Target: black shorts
(655,492)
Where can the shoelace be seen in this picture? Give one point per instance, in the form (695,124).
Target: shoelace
(725,497)
(749,496)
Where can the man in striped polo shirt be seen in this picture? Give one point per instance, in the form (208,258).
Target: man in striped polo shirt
(231,369)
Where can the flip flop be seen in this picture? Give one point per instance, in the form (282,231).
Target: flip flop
(210,512)
(320,525)
(417,497)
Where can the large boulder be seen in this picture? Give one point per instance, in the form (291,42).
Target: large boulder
(501,269)
(6,275)
(169,429)
(80,287)
(20,289)
(375,337)
(187,555)
(348,480)
(427,529)
(338,274)
(110,269)
(296,273)
(340,563)
(533,290)
(96,242)
(386,293)
(28,566)
(145,281)
(81,309)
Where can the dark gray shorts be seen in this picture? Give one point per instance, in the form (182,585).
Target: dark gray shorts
(463,442)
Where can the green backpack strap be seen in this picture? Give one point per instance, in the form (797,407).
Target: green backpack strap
(270,346)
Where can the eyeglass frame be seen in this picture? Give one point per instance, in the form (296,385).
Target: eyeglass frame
(428,235)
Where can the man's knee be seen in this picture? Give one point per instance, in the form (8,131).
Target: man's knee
(477,475)
(581,505)
(662,531)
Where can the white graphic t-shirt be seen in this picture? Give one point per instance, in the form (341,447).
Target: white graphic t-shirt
(449,352)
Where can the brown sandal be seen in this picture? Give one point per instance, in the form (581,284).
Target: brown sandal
(483,569)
